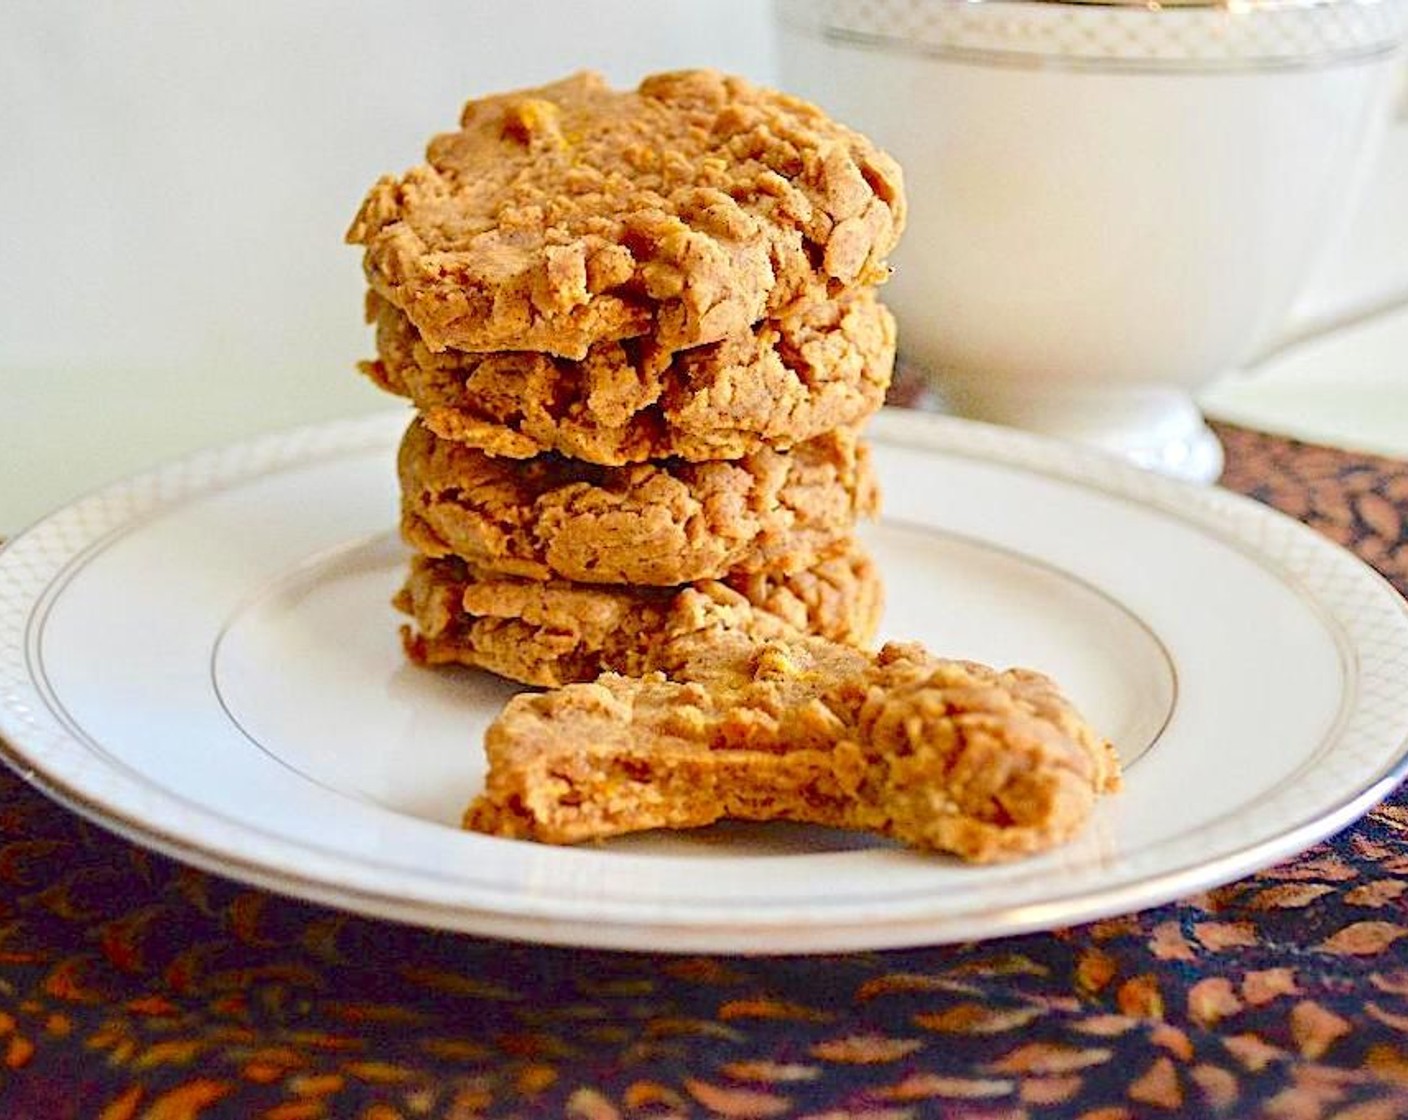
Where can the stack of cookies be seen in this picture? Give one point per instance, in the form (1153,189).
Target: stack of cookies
(641,336)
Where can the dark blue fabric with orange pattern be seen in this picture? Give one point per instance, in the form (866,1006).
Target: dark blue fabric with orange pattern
(131,986)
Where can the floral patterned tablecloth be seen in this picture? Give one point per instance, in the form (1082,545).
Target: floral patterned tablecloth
(131,986)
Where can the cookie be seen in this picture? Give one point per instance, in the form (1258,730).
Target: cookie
(660,523)
(776,385)
(551,633)
(942,755)
(571,214)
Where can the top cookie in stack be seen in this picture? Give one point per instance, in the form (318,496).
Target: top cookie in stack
(628,319)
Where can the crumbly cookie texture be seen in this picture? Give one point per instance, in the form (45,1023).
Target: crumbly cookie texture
(942,755)
(552,633)
(778,384)
(660,523)
(571,214)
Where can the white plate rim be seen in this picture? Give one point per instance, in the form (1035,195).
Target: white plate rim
(81,525)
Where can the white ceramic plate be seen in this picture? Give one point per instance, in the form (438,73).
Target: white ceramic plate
(204,660)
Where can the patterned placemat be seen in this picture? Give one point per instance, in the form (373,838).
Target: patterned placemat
(131,986)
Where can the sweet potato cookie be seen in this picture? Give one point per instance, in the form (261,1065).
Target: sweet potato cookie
(943,755)
(661,523)
(552,633)
(571,214)
(776,385)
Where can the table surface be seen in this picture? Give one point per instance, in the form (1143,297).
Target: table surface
(133,986)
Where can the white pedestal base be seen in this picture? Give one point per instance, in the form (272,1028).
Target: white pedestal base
(1159,428)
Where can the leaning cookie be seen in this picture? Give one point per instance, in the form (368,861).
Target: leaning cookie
(552,633)
(572,214)
(943,755)
(776,385)
(660,523)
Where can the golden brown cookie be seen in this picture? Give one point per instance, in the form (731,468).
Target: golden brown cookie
(942,755)
(777,385)
(660,523)
(572,214)
(551,633)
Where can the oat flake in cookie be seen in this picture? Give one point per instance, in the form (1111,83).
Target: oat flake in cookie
(572,214)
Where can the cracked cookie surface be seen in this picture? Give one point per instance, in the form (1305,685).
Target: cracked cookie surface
(687,209)
(942,755)
(777,385)
(658,524)
(554,632)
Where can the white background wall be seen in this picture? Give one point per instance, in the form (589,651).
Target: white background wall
(176,178)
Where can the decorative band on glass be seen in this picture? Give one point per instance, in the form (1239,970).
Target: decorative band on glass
(1182,37)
